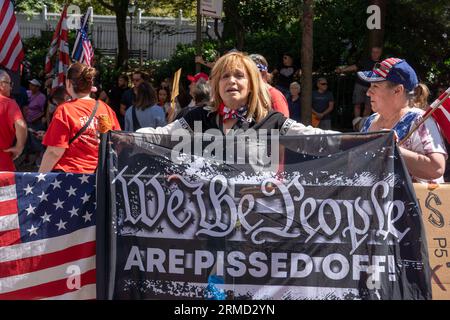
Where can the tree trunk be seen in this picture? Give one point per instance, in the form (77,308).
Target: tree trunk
(240,38)
(307,60)
(198,38)
(235,20)
(121,8)
(376,36)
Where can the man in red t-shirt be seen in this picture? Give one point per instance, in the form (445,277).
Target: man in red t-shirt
(279,102)
(12,126)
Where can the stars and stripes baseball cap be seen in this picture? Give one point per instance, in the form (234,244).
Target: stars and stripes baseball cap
(394,70)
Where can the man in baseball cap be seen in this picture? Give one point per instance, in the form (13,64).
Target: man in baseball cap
(35,82)
(36,102)
(394,70)
(33,116)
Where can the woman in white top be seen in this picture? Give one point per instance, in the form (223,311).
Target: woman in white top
(394,88)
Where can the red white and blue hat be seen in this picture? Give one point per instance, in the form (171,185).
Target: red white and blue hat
(394,70)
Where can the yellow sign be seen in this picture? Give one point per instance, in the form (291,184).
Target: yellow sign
(175,88)
(175,91)
(435,204)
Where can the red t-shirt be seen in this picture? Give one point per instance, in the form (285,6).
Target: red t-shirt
(9,114)
(279,102)
(82,155)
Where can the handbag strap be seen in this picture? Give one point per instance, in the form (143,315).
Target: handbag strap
(136,124)
(86,125)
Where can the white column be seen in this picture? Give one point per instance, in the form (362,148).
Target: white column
(91,17)
(44,13)
(140,16)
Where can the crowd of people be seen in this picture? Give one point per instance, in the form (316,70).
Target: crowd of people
(57,130)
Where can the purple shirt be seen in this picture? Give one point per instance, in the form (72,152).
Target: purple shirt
(36,104)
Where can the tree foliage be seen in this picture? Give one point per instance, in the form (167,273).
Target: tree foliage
(423,40)
(29,6)
(418,31)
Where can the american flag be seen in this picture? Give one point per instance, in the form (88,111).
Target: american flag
(11,50)
(47,236)
(57,59)
(82,49)
(441,114)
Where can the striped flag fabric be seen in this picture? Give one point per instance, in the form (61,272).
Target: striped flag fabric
(47,236)
(82,49)
(57,60)
(11,50)
(384,67)
(441,114)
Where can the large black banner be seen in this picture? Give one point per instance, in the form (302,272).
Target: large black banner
(267,217)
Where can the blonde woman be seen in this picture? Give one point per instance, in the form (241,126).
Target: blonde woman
(421,93)
(240,100)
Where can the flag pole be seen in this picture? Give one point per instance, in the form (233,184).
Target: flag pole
(433,107)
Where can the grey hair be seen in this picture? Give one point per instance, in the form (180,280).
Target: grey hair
(321,79)
(295,84)
(4,75)
(202,92)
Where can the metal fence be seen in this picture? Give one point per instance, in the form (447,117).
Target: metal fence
(155,37)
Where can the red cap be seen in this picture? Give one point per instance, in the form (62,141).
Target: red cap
(197,77)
